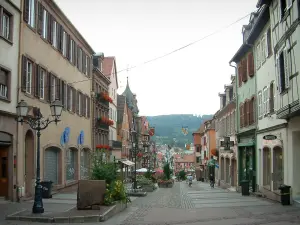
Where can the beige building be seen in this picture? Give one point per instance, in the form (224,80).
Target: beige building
(9,54)
(56,64)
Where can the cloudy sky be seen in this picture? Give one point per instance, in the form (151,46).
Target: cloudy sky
(136,31)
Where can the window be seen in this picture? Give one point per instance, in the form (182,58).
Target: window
(29,70)
(79,59)
(4,76)
(258,56)
(263,50)
(54,34)
(29,12)
(285,5)
(86,65)
(87,105)
(265,108)
(53,89)
(64,44)
(45,24)
(42,84)
(71,51)
(283,63)
(260,112)
(271,97)
(6,24)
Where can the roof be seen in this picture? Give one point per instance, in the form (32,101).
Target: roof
(240,53)
(200,130)
(108,65)
(130,99)
(186,158)
(66,19)
(263,2)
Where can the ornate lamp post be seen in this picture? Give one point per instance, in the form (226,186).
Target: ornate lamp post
(38,123)
(133,140)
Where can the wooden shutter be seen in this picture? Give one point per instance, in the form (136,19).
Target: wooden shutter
(88,107)
(24,72)
(83,62)
(77,102)
(88,66)
(57,89)
(46,87)
(241,115)
(26,11)
(69,100)
(250,64)
(64,94)
(68,46)
(37,81)
(83,98)
(247,120)
(240,75)
(40,18)
(50,28)
(244,70)
(287,68)
(74,100)
(75,54)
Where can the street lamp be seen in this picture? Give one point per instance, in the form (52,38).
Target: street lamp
(133,139)
(38,123)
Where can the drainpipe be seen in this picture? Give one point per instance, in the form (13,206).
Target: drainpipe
(236,115)
(18,188)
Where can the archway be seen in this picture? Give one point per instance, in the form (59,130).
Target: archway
(267,167)
(222,168)
(52,167)
(71,164)
(227,172)
(84,163)
(233,172)
(29,164)
(277,167)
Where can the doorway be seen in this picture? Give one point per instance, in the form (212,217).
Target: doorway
(4,171)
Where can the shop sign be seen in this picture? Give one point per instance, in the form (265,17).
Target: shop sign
(270,137)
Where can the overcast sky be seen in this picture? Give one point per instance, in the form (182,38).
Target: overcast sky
(136,31)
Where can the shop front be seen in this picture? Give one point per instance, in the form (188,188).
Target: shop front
(247,161)
(270,166)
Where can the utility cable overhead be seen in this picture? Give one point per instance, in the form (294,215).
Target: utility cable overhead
(167,54)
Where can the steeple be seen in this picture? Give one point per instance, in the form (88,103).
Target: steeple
(131,103)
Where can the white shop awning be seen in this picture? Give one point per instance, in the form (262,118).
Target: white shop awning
(127,162)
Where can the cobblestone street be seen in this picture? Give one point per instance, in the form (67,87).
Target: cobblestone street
(201,205)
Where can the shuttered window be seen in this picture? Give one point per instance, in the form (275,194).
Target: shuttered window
(241,115)
(250,62)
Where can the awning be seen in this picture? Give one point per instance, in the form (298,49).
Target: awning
(127,162)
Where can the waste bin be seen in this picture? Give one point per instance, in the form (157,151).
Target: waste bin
(245,187)
(285,194)
(47,189)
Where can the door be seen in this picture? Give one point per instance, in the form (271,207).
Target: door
(3,171)
(51,165)
(70,161)
(84,164)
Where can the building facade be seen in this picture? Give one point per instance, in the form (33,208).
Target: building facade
(9,65)
(225,137)
(123,127)
(110,70)
(197,137)
(209,145)
(246,108)
(54,58)
(284,154)
(100,104)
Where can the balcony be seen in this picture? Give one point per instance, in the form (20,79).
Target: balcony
(115,144)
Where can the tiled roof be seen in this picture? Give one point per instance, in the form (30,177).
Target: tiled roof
(186,158)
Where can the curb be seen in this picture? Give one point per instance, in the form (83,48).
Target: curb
(115,209)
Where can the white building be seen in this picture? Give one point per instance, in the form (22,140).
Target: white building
(280,157)
(9,62)
(110,70)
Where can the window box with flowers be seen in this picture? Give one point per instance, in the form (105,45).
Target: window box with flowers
(104,122)
(104,152)
(104,98)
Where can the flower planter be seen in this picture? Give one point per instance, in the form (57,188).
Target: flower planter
(165,185)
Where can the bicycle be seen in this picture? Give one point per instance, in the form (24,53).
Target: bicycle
(212,184)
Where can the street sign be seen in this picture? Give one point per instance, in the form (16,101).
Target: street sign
(227,143)
(270,137)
